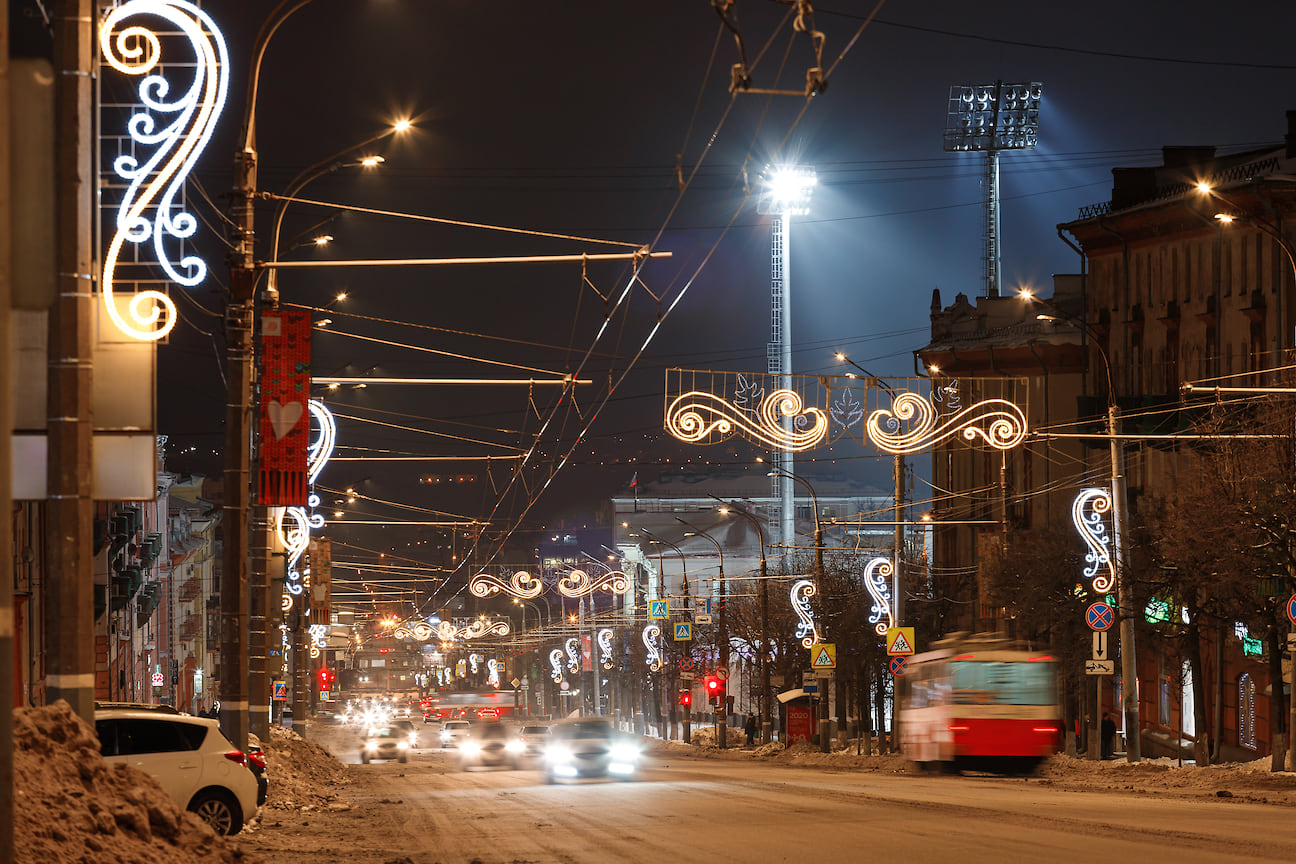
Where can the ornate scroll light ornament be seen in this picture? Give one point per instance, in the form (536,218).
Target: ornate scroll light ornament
(555,661)
(696,416)
(1087,513)
(802,591)
(318,638)
(446,632)
(482,627)
(651,634)
(135,49)
(846,410)
(492,672)
(421,630)
(522,585)
(573,654)
(1004,425)
(876,574)
(605,647)
(295,536)
(473,660)
(578,583)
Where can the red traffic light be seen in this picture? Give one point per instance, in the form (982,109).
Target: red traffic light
(712,685)
(685,697)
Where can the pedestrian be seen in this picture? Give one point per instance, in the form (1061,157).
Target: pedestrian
(1108,735)
(750,728)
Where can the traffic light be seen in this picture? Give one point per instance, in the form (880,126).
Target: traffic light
(714,689)
(326,679)
(686,697)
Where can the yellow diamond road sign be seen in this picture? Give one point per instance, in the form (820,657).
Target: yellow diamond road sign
(823,655)
(900,640)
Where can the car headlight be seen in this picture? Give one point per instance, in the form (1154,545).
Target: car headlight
(558,753)
(515,746)
(624,753)
(470,748)
(371,745)
(402,745)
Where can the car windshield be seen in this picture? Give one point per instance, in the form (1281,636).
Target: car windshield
(534,730)
(587,730)
(383,732)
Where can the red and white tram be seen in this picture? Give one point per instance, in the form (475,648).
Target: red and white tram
(982,703)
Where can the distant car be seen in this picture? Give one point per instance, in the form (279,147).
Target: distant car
(431,719)
(490,745)
(257,762)
(189,757)
(534,739)
(406,726)
(589,747)
(454,731)
(385,742)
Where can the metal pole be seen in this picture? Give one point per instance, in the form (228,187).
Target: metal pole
(1124,594)
(7,671)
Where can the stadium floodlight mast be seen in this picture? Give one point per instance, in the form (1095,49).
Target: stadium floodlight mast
(989,118)
(785,192)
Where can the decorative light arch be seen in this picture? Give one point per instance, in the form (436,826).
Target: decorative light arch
(522,585)
(136,49)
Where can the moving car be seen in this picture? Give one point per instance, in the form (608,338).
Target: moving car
(188,756)
(589,747)
(385,742)
(406,726)
(534,739)
(454,731)
(488,745)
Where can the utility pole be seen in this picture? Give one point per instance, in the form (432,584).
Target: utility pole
(7,270)
(1124,592)
(69,508)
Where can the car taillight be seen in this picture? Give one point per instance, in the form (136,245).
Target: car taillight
(257,759)
(236,756)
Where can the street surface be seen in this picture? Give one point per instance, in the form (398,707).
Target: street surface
(684,809)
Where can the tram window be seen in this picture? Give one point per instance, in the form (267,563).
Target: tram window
(1003,683)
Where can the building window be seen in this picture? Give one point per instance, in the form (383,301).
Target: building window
(1163,694)
(1187,702)
(1246,711)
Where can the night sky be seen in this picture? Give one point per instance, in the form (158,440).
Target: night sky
(578,118)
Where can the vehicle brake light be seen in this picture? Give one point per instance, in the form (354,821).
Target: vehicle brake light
(960,728)
(236,756)
(257,759)
(1049,729)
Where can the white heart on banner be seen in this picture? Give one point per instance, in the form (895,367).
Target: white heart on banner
(283,417)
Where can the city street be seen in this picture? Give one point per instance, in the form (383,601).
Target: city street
(684,808)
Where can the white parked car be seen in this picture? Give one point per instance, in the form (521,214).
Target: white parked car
(188,756)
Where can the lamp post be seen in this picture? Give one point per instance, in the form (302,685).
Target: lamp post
(722,737)
(898,588)
(728,507)
(1124,592)
(668,669)
(824,745)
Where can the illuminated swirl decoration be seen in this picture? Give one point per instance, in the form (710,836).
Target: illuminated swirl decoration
(482,627)
(697,417)
(318,638)
(473,660)
(876,574)
(447,632)
(294,535)
(573,655)
(997,422)
(555,661)
(492,672)
(134,49)
(651,634)
(605,647)
(522,585)
(1087,513)
(802,591)
(577,583)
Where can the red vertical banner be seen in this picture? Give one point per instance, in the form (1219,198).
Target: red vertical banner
(587,653)
(285,417)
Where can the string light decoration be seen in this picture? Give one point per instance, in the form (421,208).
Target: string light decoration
(802,591)
(605,648)
(294,524)
(876,575)
(1087,512)
(447,632)
(578,583)
(573,654)
(1004,425)
(135,49)
(698,416)
(651,634)
(706,407)
(522,585)
(555,662)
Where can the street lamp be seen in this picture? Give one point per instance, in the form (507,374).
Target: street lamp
(722,733)
(1124,592)
(728,507)
(819,573)
(898,576)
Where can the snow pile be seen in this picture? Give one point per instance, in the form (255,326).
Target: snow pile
(72,806)
(302,774)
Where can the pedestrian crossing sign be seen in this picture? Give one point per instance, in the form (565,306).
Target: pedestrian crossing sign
(823,655)
(900,640)
(683,631)
(658,608)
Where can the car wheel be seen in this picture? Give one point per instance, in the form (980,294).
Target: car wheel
(364,757)
(218,809)
(403,759)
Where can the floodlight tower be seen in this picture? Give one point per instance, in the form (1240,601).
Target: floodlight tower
(990,118)
(784,192)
